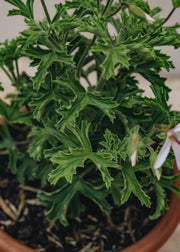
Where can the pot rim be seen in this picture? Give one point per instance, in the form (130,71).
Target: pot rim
(151,242)
(162,231)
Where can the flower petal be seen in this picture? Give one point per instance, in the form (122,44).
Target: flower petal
(176,149)
(163,154)
(149,19)
(133,158)
(177,128)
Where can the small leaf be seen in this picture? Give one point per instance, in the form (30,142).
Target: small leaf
(161,202)
(68,162)
(41,138)
(24,10)
(115,55)
(46,62)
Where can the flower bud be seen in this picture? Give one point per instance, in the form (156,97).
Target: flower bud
(140,13)
(133,146)
(153,157)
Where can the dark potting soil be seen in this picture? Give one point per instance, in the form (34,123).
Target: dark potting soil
(22,216)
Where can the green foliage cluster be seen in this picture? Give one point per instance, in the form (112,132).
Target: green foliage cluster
(80,129)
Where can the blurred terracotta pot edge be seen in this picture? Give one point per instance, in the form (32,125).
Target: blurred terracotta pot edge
(163,229)
(149,243)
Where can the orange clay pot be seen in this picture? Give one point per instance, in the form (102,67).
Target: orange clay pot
(149,243)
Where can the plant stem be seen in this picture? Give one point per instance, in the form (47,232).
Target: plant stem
(109,2)
(88,169)
(14,76)
(166,19)
(6,72)
(98,5)
(81,61)
(100,83)
(55,44)
(17,69)
(118,9)
(46,11)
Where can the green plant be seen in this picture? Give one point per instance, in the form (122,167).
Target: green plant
(93,137)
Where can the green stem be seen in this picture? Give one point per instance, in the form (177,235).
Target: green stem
(166,19)
(109,2)
(55,44)
(100,83)
(14,76)
(98,5)
(118,9)
(81,61)
(46,11)
(21,143)
(6,72)
(86,171)
(17,69)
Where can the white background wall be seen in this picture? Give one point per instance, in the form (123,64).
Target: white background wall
(10,26)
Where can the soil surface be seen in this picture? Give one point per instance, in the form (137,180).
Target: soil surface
(22,216)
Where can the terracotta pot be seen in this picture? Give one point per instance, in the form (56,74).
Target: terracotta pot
(149,243)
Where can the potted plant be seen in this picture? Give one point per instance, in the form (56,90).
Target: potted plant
(90,139)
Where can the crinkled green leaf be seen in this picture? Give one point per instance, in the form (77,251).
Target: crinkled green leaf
(40,139)
(71,83)
(41,104)
(114,147)
(103,163)
(68,163)
(114,55)
(131,185)
(161,202)
(168,182)
(116,188)
(69,115)
(57,202)
(96,27)
(46,62)
(23,9)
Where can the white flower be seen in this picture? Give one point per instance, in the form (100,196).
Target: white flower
(172,140)
(149,19)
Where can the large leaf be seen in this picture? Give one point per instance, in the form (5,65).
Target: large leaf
(41,138)
(95,99)
(25,10)
(68,162)
(46,61)
(131,185)
(57,202)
